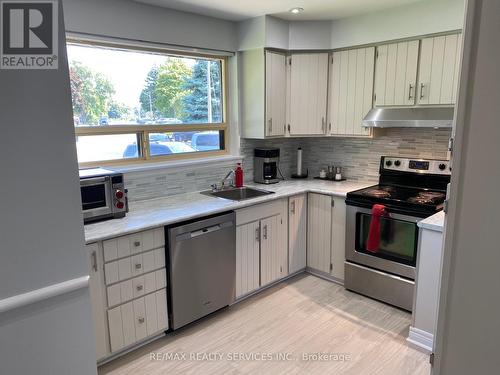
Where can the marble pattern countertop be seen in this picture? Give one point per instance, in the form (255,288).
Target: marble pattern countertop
(434,222)
(157,212)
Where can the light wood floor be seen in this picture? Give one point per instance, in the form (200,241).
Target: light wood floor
(303,315)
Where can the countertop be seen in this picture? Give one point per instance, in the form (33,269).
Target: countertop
(434,222)
(157,212)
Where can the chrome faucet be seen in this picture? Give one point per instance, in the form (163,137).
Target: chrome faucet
(222,184)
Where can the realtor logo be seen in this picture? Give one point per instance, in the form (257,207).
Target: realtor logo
(28,34)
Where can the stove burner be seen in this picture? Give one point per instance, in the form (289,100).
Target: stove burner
(426,197)
(383,192)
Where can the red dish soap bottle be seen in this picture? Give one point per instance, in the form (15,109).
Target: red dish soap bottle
(238,176)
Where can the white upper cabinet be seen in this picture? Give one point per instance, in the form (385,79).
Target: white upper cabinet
(275,94)
(439,69)
(308,94)
(351,91)
(396,74)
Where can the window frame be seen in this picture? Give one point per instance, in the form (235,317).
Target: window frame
(143,131)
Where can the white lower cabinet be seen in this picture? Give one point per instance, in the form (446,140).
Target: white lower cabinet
(326,235)
(261,246)
(319,225)
(137,319)
(297,233)
(247,258)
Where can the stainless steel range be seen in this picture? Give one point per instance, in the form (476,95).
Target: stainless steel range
(381,230)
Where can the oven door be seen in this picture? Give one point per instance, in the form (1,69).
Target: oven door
(96,197)
(397,252)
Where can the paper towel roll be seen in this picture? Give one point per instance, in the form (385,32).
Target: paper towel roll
(299,161)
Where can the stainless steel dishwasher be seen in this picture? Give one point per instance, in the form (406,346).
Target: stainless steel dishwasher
(202,267)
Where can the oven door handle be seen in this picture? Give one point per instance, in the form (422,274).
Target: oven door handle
(390,215)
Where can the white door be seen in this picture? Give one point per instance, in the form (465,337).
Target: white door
(273,250)
(338,238)
(275,94)
(97,299)
(297,233)
(308,93)
(319,226)
(351,91)
(439,69)
(247,258)
(396,74)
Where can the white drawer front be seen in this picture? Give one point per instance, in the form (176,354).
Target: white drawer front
(137,319)
(125,246)
(137,287)
(133,266)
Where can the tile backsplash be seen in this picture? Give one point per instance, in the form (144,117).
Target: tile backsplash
(358,157)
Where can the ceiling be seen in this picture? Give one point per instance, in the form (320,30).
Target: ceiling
(237,10)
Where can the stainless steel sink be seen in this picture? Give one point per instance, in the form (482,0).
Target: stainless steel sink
(238,194)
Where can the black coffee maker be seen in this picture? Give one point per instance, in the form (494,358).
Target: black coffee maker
(265,165)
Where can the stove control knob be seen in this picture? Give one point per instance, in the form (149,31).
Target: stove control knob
(397,163)
(388,163)
(442,166)
(119,205)
(119,194)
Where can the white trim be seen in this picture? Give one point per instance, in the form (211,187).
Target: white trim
(41,294)
(180,164)
(421,339)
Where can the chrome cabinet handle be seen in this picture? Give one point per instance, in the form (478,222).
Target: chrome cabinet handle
(140,320)
(138,266)
(329,126)
(137,243)
(323,125)
(257,234)
(422,91)
(292,209)
(270,121)
(410,96)
(139,288)
(93,258)
(265,232)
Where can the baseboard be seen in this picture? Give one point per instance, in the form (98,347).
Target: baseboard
(324,275)
(421,339)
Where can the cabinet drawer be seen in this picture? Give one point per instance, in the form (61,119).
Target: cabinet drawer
(136,287)
(125,246)
(136,265)
(137,319)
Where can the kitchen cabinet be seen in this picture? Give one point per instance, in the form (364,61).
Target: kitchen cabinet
(247,258)
(396,74)
(338,238)
(273,250)
(319,226)
(308,94)
(297,233)
(439,69)
(351,91)
(263,93)
(97,299)
(261,246)
(275,94)
(326,235)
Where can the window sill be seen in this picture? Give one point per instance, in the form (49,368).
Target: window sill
(175,164)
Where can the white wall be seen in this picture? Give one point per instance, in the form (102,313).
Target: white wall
(468,323)
(41,225)
(421,18)
(129,19)
(310,34)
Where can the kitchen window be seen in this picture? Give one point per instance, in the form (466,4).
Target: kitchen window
(134,105)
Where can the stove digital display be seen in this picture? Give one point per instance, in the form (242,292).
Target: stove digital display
(420,165)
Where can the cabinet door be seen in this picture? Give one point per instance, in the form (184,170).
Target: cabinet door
(319,226)
(297,230)
(247,258)
(97,299)
(275,94)
(439,69)
(308,93)
(338,238)
(351,91)
(273,250)
(396,74)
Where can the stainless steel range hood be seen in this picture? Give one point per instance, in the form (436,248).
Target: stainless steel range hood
(415,117)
